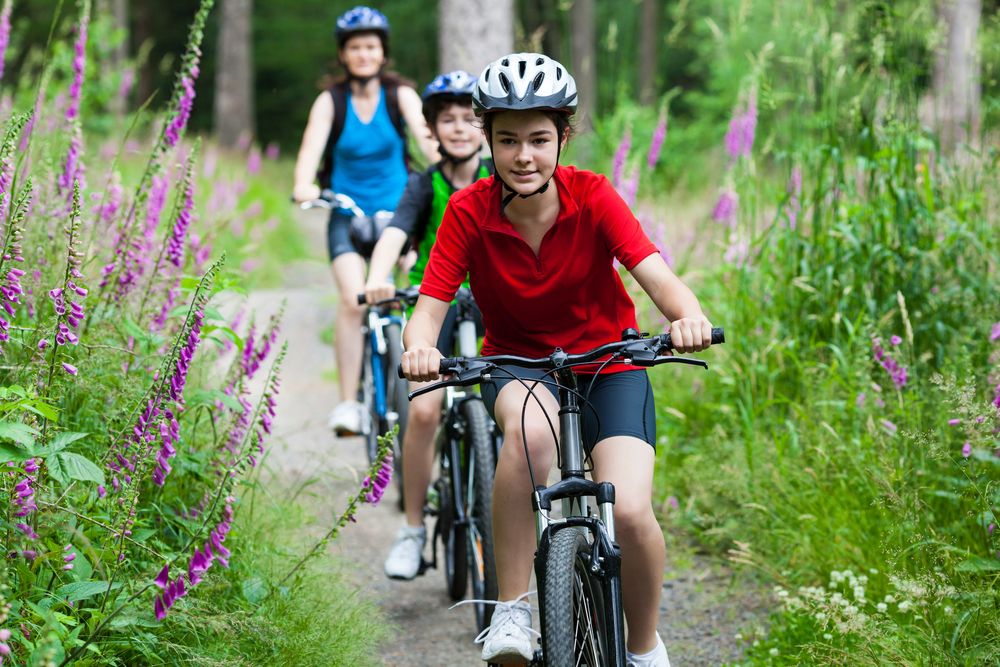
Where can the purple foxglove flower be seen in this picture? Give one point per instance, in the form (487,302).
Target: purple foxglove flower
(272,150)
(376,488)
(4,35)
(158,609)
(28,531)
(895,340)
(618,169)
(69,368)
(725,209)
(163,578)
(656,145)
(995,332)
(889,427)
(253,160)
(179,121)
(967,450)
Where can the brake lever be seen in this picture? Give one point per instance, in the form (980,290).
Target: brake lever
(463,375)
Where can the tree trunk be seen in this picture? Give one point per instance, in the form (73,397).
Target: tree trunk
(957,87)
(142,32)
(234,101)
(649,36)
(474,33)
(584,35)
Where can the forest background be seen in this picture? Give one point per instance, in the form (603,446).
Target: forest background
(823,172)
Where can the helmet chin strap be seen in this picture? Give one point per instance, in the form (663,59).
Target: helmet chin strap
(509,198)
(455,161)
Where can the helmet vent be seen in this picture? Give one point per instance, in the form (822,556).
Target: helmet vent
(539,62)
(505,62)
(558,73)
(486,74)
(538,81)
(521,67)
(504,82)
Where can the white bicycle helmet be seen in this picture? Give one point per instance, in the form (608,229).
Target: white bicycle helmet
(522,81)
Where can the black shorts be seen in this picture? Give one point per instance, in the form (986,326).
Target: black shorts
(622,402)
(338,235)
(447,339)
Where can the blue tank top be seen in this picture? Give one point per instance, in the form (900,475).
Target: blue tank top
(368,162)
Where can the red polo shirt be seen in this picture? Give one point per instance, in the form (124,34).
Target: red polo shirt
(570,295)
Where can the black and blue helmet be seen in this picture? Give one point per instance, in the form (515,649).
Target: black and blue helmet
(449,88)
(456,83)
(361,19)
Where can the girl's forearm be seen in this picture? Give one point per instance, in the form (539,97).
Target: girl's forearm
(386,252)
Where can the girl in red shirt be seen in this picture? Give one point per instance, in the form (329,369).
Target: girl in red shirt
(538,242)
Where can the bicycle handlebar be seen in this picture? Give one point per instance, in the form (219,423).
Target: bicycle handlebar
(407,295)
(632,349)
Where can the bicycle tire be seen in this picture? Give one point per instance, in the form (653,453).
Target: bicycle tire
(397,401)
(574,627)
(366,396)
(478,441)
(456,574)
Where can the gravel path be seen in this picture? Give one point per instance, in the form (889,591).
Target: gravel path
(702,608)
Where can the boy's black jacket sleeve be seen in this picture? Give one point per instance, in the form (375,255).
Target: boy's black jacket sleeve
(415,205)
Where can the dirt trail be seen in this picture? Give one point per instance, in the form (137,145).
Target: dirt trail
(702,611)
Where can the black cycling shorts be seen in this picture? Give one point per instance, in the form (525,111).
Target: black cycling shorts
(622,402)
(338,235)
(448,337)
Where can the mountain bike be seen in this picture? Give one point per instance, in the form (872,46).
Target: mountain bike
(577,562)
(460,499)
(382,394)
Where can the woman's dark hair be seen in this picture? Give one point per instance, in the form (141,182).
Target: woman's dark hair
(559,118)
(387,77)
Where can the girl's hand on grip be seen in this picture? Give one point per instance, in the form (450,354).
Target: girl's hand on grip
(421,364)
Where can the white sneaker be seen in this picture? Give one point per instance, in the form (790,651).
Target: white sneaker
(407,553)
(655,658)
(349,418)
(508,639)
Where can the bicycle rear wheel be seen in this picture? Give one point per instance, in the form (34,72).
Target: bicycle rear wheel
(574,612)
(480,466)
(453,534)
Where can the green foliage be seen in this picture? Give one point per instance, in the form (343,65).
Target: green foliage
(802,456)
(133,411)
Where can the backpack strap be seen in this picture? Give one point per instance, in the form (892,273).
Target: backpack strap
(339,94)
(396,116)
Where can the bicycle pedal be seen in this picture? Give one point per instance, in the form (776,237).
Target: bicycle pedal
(424,566)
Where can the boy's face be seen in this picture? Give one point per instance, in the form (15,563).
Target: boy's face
(455,127)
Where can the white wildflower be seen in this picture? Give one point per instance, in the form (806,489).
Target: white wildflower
(881,607)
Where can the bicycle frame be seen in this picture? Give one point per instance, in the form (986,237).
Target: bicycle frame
(375,338)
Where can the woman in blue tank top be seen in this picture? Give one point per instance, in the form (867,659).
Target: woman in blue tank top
(369,166)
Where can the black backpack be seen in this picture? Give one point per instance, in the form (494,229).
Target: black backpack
(339,94)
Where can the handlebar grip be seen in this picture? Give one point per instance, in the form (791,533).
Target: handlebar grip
(718,337)
(448,365)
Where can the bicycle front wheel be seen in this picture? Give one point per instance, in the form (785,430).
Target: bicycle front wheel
(366,396)
(575,605)
(478,440)
(397,400)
